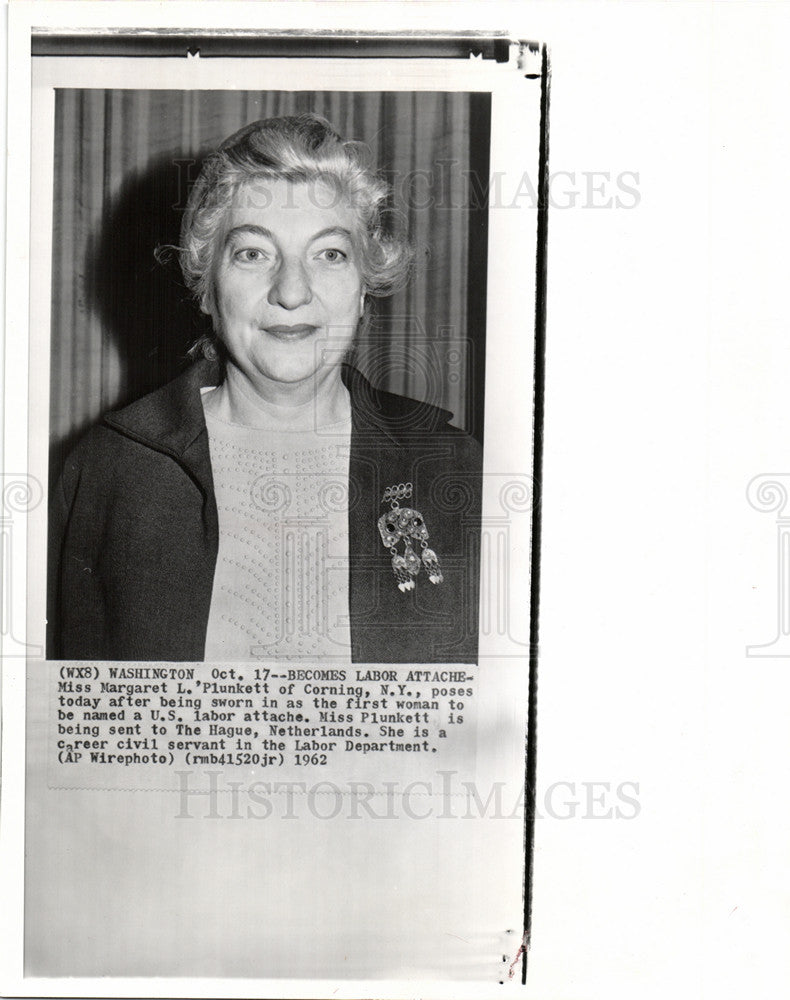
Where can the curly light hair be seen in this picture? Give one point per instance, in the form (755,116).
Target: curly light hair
(300,149)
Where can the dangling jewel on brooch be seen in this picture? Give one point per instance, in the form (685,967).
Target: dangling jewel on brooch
(407,525)
(405,582)
(432,567)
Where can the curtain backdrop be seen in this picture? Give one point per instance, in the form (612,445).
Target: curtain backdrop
(124,161)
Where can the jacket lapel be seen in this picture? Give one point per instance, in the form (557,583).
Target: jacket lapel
(171,420)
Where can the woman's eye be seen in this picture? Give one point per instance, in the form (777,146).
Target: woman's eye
(250,255)
(332,255)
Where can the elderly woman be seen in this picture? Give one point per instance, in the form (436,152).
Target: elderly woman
(270,503)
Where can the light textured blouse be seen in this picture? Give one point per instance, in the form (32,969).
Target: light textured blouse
(281,579)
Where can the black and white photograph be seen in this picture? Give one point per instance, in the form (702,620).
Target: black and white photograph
(395,595)
(289,525)
(320,542)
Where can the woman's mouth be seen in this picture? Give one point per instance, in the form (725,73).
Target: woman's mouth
(284,332)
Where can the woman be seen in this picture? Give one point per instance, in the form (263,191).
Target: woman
(270,503)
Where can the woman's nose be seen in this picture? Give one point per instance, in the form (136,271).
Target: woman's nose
(291,286)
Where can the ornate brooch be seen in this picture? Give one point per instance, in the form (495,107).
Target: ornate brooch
(404,524)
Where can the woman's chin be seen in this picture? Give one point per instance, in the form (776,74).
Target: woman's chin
(293,373)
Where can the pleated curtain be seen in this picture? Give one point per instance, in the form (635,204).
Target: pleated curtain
(124,162)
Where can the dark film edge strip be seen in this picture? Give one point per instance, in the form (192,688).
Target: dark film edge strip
(537,468)
(131,43)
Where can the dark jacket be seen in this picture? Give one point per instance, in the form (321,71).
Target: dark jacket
(134,536)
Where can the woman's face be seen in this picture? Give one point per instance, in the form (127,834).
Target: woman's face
(289,293)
